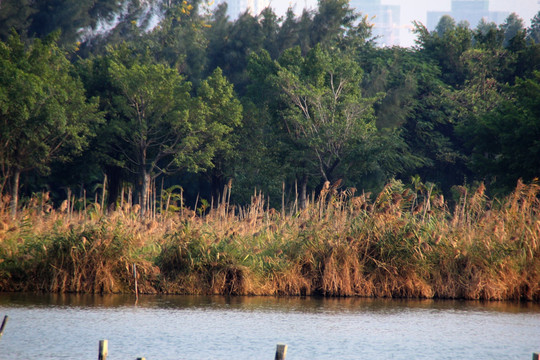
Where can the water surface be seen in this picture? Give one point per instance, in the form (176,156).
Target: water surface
(191,327)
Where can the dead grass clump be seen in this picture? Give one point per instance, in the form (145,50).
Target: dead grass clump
(87,258)
(404,243)
(342,273)
(231,280)
(190,259)
(95,259)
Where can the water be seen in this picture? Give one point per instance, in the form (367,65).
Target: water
(189,327)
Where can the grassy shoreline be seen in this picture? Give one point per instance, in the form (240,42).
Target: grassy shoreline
(401,243)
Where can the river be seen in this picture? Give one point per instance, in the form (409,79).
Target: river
(192,327)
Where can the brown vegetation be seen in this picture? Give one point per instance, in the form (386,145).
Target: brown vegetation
(404,243)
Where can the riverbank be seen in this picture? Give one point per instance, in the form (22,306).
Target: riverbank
(401,243)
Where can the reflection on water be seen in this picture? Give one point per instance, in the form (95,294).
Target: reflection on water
(259,303)
(56,326)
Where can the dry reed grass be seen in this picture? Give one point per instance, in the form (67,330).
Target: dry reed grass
(403,243)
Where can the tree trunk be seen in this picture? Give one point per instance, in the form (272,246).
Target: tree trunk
(114,177)
(145,183)
(303,192)
(4,177)
(15,193)
(217,183)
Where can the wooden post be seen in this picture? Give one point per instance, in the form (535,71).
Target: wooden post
(135,277)
(4,322)
(536,356)
(281,352)
(103,349)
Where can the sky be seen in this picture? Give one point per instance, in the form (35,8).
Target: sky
(417,10)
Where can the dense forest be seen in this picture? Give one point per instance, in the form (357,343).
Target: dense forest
(160,147)
(168,97)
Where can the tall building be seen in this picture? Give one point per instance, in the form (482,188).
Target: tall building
(238,7)
(385,20)
(467,10)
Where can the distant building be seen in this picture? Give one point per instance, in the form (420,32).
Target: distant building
(467,10)
(238,7)
(385,20)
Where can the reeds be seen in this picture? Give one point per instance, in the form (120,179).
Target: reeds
(406,242)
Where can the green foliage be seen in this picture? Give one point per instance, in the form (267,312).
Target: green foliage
(45,115)
(15,15)
(221,110)
(325,114)
(44,108)
(219,107)
(512,27)
(504,141)
(533,33)
(179,40)
(400,111)
(446,47)
(230,50)
(42,17)
(331,22)
(487,35)
(152,111)
(172,197)
(163,129)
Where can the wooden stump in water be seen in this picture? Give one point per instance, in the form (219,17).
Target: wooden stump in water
(103,349)
(281,352)
(2,328)
(135,278)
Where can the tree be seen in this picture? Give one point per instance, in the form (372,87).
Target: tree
(262,149)
(331,22)
(446,24)
(429,125)
(218,34)
(222,112)
(512,27)
(396,74)
(39,18)
(481,91)
(162,128)
(533,33)
(15,15)
(446,48)
(287,36)
(244,37)
(270,30)
(325,115)
(179,40)
(152,120)
(487,35)
(44,113)
(505,142)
